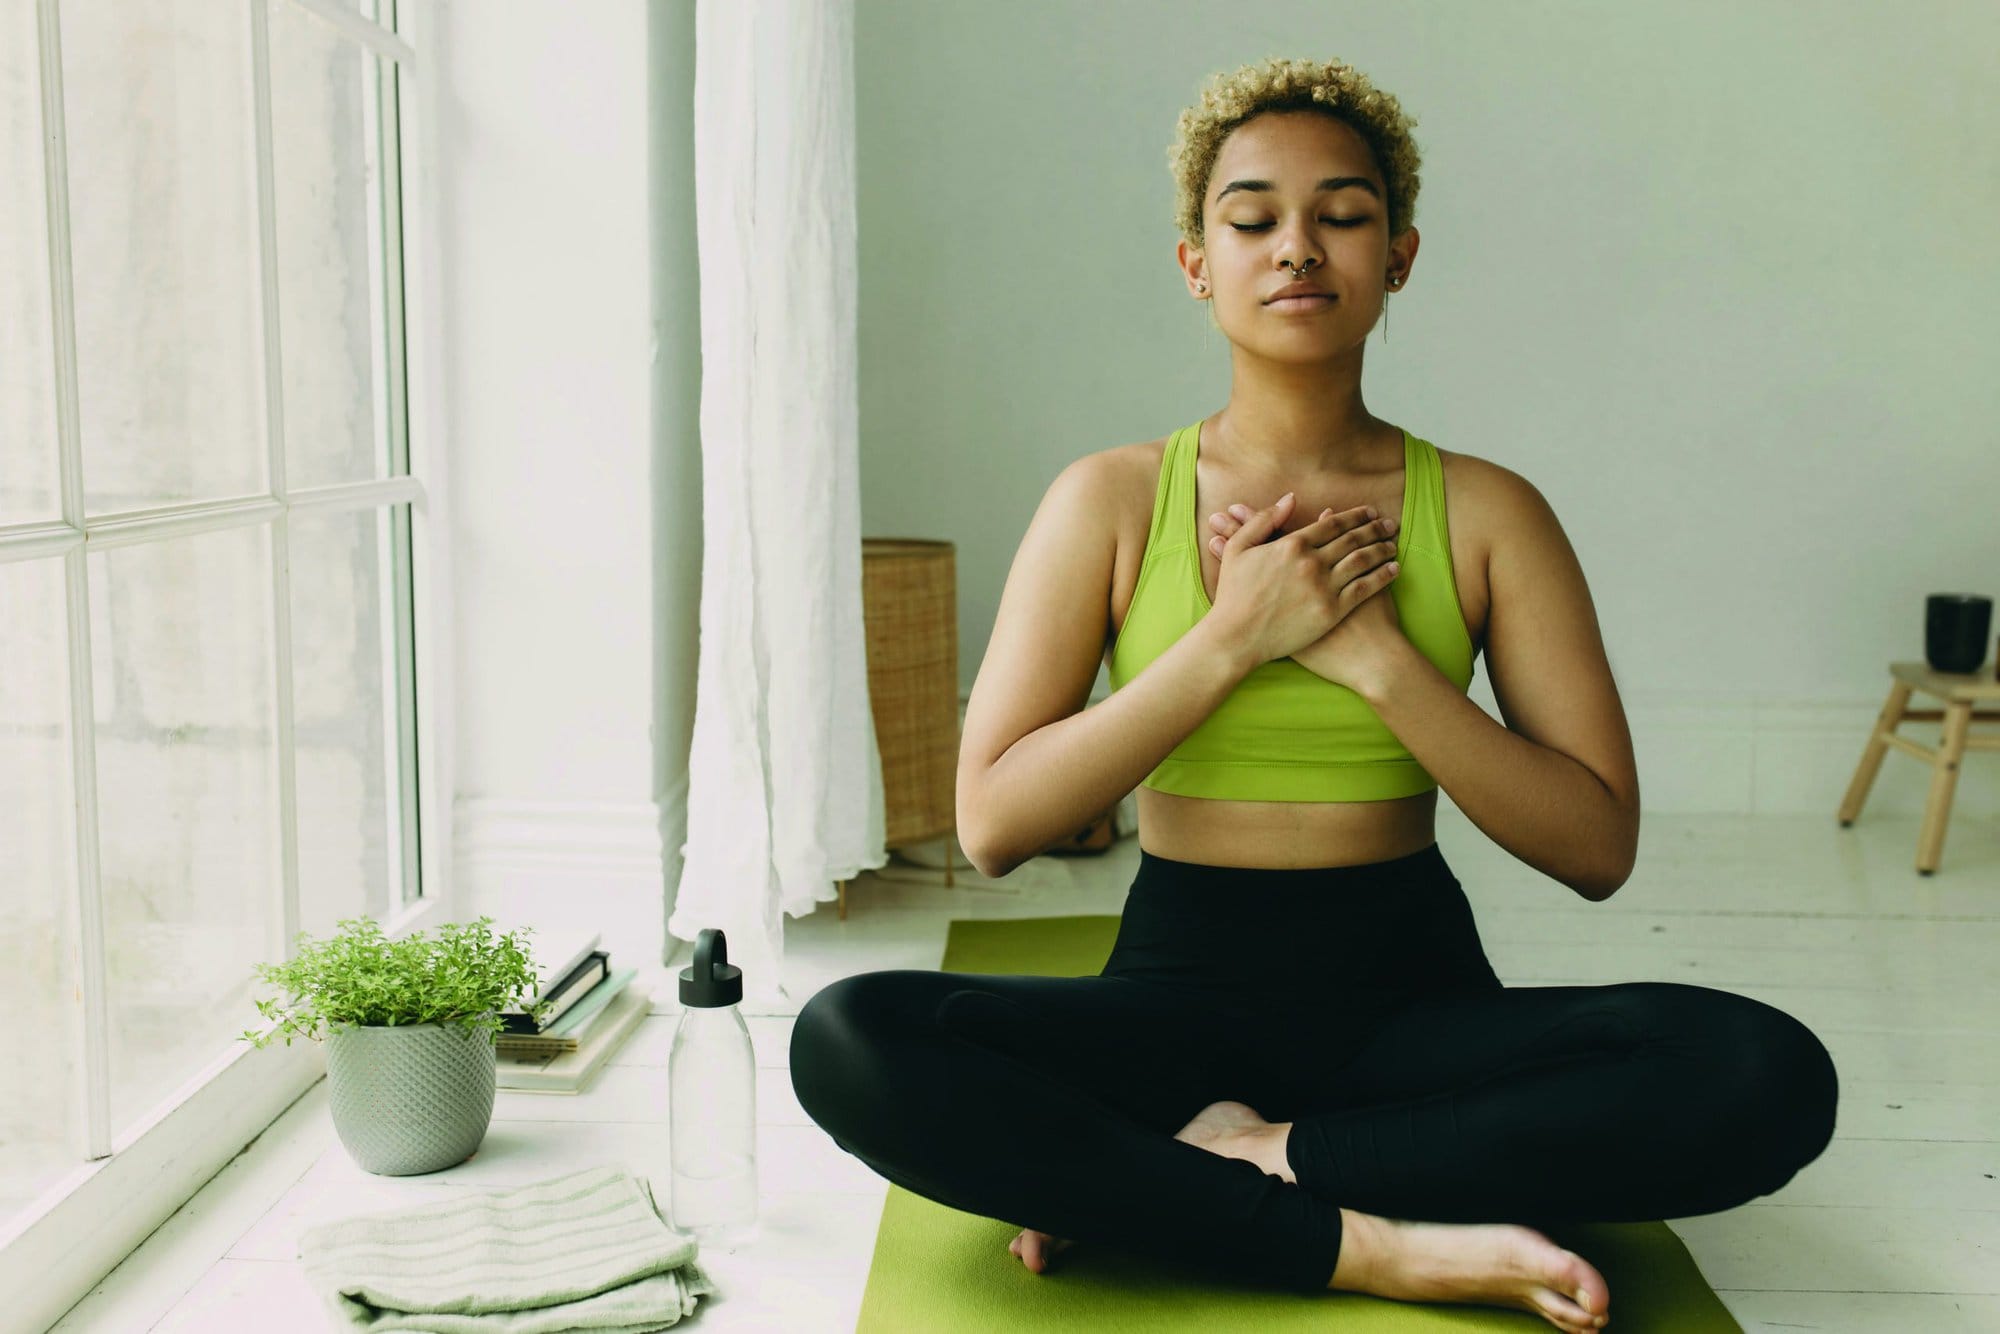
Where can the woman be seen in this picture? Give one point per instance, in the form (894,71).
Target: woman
(1298,1066)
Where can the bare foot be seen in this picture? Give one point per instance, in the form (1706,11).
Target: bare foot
(1504,1264)
(1235,1130)
(1495,1264)
(1036,1249)
(1215,1125)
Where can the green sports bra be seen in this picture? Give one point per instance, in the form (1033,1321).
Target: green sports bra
(1286,733)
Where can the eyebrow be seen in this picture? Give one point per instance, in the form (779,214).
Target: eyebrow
(1330,183)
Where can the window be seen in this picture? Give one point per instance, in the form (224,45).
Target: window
(212,539)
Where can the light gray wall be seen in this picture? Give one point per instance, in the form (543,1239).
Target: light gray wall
(1715,276)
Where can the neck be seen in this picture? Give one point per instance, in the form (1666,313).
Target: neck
(1293,421)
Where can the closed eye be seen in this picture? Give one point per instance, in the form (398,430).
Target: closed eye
(1338,222)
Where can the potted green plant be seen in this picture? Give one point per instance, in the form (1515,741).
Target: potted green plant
(409,1027)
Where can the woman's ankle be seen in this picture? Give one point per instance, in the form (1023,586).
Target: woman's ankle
(1363,1245)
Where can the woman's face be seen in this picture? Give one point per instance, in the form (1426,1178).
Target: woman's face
(1287,217)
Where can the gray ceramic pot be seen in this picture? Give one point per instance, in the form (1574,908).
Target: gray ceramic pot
(410,1098)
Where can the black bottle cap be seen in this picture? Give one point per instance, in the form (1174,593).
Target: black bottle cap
(711,981)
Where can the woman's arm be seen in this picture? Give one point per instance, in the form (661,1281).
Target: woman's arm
(1052,781)
(1557,785)
(1034,764)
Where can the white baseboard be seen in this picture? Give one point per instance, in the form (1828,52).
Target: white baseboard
(1761,758)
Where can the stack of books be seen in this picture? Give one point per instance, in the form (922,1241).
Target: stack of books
(589,1015)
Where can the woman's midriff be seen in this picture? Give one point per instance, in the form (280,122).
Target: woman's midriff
(1286,834)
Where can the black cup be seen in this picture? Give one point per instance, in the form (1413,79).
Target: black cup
(1955,626)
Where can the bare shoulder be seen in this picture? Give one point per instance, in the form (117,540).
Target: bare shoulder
(1479,492)
(1131,475)
(1480,475)
(1135,466)
(1120,481)
(1113,483)
(1496,495)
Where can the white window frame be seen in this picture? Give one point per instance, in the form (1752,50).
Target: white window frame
(53,1251)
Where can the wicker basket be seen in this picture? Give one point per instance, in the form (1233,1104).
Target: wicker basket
(909,599)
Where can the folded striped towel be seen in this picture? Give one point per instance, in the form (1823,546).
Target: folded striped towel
(584,1251)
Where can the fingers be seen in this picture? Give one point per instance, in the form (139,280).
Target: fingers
(1227,523)
(1375,541)
(1260,524)
(1330,524)
(1369,582)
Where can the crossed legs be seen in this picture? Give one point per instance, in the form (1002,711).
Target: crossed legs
(1053,1104)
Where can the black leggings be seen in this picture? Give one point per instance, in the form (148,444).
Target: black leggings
(1353,1001)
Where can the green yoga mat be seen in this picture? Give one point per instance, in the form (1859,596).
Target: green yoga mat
(940,1269)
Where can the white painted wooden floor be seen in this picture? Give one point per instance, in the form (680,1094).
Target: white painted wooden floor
(1895,1228)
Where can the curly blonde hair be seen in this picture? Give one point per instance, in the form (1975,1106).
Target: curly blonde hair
(1329,88)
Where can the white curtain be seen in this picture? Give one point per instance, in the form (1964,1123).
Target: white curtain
(784,781)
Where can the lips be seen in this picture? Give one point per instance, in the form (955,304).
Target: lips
(1301,300)
(1296,288)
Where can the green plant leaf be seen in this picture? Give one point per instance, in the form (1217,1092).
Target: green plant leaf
(463,974)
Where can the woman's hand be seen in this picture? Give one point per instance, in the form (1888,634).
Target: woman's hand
(1282,593)
(1358,645)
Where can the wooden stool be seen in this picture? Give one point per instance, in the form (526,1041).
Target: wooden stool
(1960,691)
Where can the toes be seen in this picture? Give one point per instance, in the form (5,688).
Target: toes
(1561,1309)
(1037,1249)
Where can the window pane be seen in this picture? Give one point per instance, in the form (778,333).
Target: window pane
(164,244)
(350,770)
(39,1111)
(27,368)
(188,808)
(327,170)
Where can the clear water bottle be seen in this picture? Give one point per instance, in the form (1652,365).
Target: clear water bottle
(712,1103)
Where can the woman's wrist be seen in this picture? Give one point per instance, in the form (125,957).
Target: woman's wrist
(1229,649)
